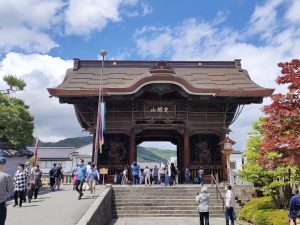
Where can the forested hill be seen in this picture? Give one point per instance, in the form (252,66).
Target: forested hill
(145,154)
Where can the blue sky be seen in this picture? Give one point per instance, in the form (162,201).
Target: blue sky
(38,40)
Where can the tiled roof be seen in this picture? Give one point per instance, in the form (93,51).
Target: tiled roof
(53,152)
(6,150)
(223,78)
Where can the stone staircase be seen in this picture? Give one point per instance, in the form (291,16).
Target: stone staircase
(159,201)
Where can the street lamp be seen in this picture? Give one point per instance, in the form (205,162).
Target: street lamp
(103,53)
(227,150)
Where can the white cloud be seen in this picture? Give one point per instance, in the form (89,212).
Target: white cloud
(32,25)
(264,19)
(23,24)
(53,121)
(25,39)
(82,17)
(202,40)
(292,14)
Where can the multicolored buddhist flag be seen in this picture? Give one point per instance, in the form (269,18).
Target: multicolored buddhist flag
(36,147)
(100,125)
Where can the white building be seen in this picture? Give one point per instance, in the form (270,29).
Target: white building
(84,152)
(236,161)
(47,156)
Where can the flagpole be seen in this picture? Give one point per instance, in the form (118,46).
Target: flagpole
(103,53)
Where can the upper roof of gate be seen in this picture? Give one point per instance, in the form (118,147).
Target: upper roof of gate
(218,78)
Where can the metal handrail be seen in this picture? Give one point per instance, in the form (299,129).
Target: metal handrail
(218,190)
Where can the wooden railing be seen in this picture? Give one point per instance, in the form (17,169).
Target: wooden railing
(215,180)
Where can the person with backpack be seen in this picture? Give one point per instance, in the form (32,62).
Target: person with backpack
(58,174)
(202,201)
(92,177)
(173,173)
(52,177)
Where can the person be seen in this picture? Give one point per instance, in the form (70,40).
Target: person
(135,172)
(155,175)
(35,183)
(294,211)
(20,180)
(202,201)
(6,187)
(52,177)
(74,177)
(124,176)
(162,175)
(167,176)
(92,177)
(229,213)
(81,177)
(28,170)
(147,173)
(86,184)
(201,177)
(173,173)
(58,175)
(187,175)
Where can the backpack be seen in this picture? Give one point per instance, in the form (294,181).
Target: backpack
(173,171)
(51,172)
(55,173)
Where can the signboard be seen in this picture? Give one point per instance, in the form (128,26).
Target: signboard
(104,171)
(160,110)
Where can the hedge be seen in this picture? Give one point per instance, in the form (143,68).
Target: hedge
(259,211)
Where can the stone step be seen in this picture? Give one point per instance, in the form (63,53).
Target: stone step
(163,215)
(178,208)
(154,203)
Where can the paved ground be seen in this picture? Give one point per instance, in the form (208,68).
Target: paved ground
(52,208)
(165,221)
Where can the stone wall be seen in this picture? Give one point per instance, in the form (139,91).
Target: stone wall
(100,211)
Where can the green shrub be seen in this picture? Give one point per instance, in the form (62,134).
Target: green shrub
(259,212)
(247,212)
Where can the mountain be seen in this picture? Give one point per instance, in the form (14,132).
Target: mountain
(145,154)
(69,142)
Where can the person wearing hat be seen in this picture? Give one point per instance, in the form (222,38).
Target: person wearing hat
(294,213)
(6,187)
(202,201)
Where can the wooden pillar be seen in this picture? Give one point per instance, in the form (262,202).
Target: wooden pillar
(186,149)
(93,150)
(132,153)
(224,160)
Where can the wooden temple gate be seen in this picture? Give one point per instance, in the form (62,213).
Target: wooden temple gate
(189,103)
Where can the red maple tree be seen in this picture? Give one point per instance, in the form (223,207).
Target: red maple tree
(281,125)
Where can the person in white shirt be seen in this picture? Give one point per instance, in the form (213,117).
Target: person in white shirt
(124,176)
(229,213)
(147,174)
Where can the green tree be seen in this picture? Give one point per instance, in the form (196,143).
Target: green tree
(16,123)
(276,182)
